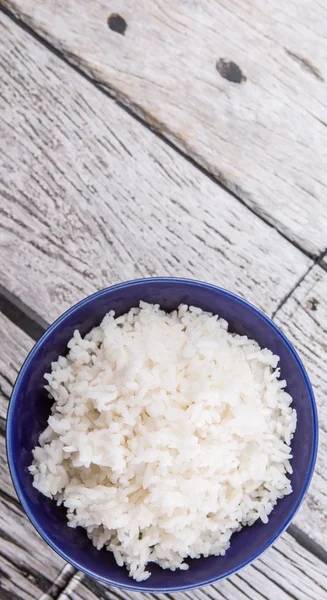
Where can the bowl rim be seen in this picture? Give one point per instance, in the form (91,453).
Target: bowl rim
(137,586)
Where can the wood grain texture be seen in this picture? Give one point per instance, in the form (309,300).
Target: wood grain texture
(15,345)
(90,197)
(304,320)
(28,567)
(80,216)
(285,572)
(74,219)
(265,138)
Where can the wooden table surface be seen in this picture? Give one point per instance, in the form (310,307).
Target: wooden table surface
(174,137)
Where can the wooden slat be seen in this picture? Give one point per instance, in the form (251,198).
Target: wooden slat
(62,250)
(28,566)
(304,320)
(15,585)
(90,197)
(265,138)
(23,551)
(285,572)
(7,488)
(15,347)
(71,241)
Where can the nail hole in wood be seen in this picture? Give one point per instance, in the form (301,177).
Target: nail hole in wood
(312,304)
(117,23)
(230,71)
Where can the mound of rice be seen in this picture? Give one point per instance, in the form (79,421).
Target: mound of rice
(167,434)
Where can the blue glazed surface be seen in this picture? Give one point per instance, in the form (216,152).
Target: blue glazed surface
(30,407)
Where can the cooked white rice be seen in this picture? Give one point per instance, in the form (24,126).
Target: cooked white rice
(167,435)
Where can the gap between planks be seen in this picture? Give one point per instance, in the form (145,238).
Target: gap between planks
(34,325)
(209,122)
(105,90)
(60,584)
(21,315)
(19,311)
(320,261)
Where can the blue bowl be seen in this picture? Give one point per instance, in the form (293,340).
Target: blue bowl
(30,407)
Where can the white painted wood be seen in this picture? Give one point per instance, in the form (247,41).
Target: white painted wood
(59,583)
(304,320)
(15,345)
(69,229)
(266,138)
(15,585)
(90,197)
(56,222)
(6,486)
(22,549)
(28,566)
(285,572)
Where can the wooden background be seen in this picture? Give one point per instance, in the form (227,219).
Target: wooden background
(178,138)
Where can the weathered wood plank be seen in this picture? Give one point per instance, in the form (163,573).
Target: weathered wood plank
(22,550)
(304,320)
(90,197)
(7,488)
(264,138)
(17,583)
(28,565)
(72,242)
(15,345)
(285,572)
(36,217)
(14,585)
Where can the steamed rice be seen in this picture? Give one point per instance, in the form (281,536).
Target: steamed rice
(167,434)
